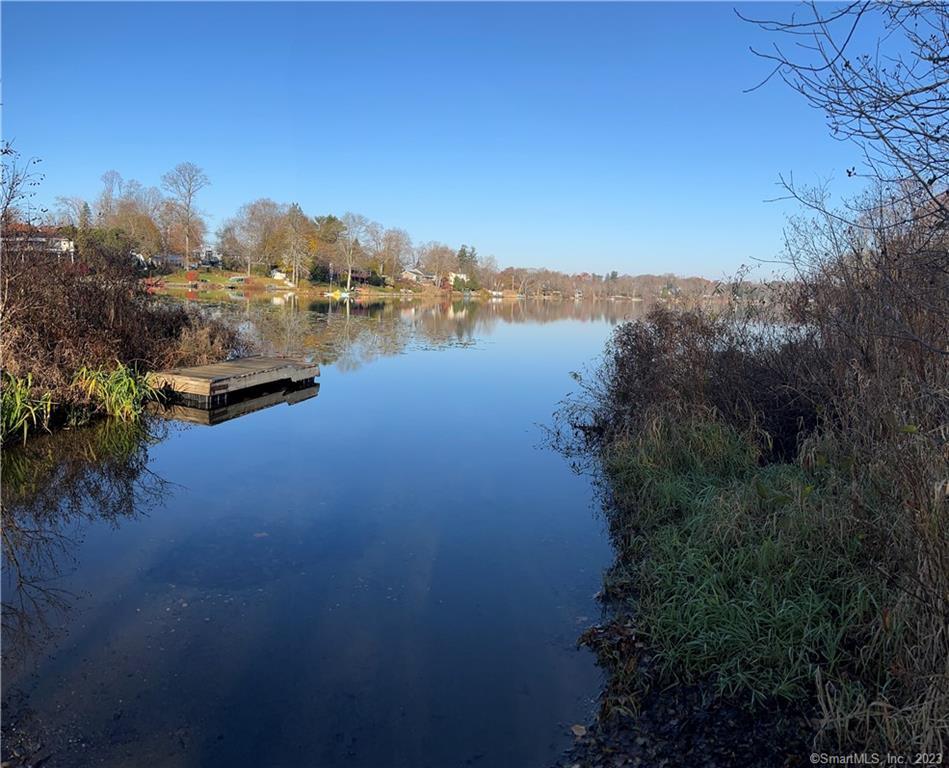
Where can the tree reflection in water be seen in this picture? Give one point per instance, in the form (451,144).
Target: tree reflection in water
(349,334)
(53,487)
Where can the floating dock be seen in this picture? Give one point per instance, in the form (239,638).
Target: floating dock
(210,386)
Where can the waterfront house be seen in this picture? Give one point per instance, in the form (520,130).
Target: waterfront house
(38,239)
(415,275)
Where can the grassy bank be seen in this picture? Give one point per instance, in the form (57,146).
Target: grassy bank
(803,563)
(745,575)
(775,479)
(216,281)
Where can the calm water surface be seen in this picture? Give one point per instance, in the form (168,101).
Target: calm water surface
(392,573)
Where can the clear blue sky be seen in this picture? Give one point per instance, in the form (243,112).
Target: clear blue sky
(580,137)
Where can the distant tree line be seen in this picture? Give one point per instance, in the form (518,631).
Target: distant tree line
(265,234)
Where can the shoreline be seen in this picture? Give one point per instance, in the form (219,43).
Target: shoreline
(759,564)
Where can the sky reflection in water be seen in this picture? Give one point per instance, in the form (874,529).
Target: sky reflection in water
(393,573)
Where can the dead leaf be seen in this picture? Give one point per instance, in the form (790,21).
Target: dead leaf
(578,730)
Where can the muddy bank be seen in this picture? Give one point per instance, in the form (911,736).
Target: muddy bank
(680,725)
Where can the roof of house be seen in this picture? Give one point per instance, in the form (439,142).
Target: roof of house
(20,228)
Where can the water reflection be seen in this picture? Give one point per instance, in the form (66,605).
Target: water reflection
(351,334)
(53,487)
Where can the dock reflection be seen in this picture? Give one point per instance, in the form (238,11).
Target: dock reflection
(246,403)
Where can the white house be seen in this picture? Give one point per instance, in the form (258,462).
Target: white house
(43,239)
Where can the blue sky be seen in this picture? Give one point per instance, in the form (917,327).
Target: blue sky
(580,137)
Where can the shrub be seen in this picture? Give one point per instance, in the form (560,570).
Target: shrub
(61,317)
(751,368)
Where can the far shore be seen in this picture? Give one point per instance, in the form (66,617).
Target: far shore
(215,284)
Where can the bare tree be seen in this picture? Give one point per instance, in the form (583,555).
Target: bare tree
(167,220)
(18,183)
(374,245)
(488,272)
(257,234)
(891,100)
(137,211)
(349,242)
(183,183)
(300,231)
(438,259)
(70,210)
(230,245)
(396,249)
(111,189)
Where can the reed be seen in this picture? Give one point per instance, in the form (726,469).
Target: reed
(120,392)
(22,410)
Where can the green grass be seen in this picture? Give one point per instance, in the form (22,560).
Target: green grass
(674,467)
(206,295)
(743,574)
(120,392)
(219,277)
(20,409)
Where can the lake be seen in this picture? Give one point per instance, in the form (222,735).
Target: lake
(391,573)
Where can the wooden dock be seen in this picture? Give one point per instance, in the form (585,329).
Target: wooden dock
(209,386)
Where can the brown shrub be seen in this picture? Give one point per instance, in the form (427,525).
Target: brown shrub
(742,367)
(60,314)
